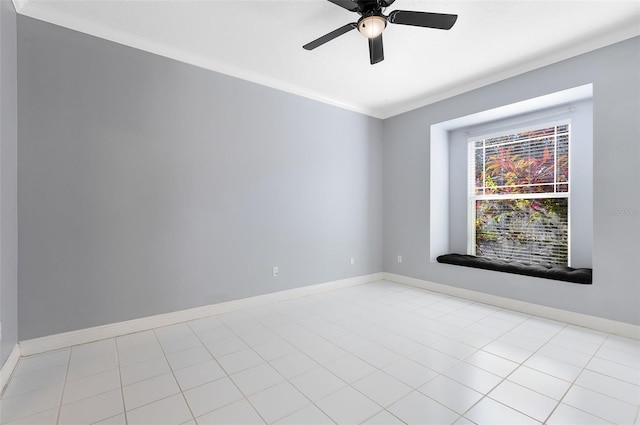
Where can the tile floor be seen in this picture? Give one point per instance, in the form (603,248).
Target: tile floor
(380,353)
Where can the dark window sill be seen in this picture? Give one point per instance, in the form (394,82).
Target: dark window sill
(566,274)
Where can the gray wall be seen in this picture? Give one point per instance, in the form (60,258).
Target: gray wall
(615,293)
(148,186)
(8,178)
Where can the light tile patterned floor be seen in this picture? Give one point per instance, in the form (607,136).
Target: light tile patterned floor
(380,353)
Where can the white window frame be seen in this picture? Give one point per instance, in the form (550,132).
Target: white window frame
(472,197)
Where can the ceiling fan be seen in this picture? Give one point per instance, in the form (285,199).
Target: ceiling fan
(372,22)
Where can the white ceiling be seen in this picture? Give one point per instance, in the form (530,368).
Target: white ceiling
(262,40)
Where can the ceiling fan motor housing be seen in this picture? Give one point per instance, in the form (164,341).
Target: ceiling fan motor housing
(372,23)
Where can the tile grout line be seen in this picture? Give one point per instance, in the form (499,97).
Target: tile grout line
(576,379)
(307,329)
(164,353)
(246,397)
(505,378)
(124,406)
(64,386)
(221,368)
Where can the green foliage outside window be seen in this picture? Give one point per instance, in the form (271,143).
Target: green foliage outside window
(510,223)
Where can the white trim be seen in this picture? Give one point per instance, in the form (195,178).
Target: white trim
(76,23)
(617,35)
(18,5)
(9,366)
(116,35)
(597,323)
(82,336)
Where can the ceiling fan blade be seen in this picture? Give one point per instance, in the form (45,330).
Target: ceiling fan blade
(328,37)
(347,4)
(376,53)
(441,21)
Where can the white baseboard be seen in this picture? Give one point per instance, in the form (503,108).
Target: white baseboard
(597,323)
(82,336)
(8,367)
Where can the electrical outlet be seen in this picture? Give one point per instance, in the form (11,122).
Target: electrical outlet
(276,271)
(353,260)
(399,258)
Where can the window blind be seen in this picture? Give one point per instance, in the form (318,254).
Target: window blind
(519,195)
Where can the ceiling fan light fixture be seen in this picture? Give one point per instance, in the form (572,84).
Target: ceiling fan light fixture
(372,26)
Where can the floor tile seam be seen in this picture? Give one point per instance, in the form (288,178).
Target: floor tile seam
(311,331)
(294,386)
(91,396)
(581,410)
(464,384)
(458,360)
(577,332)
(636,406)
(553,334)
(256,409)
(147,360)
(503,379)
(505,358)
(172,374)
(621,352)
(519,411)
(573,384)
(355,389)
(636,383)
(24,375)
(168,353)
(110,417)
(510,310)
(347,384)
(616,362)
(442,404)
(551,343)
(300,409)
(558,401)
(384,409)
(125,411)
(124,406)
(40,388)
(391,348)
(216,358)
(227,353)
(477,321)
(474,319)
(37,412)
(636,351)
(610,377)
(228,376)
(589,356)
(297,350)
(128,366)
(447,313)
(246,395)
(368,374)
(63,388)
(533,352)
(92,374)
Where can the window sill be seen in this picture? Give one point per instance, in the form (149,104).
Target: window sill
(566,274)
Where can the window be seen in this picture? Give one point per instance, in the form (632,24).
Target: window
(518,194)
